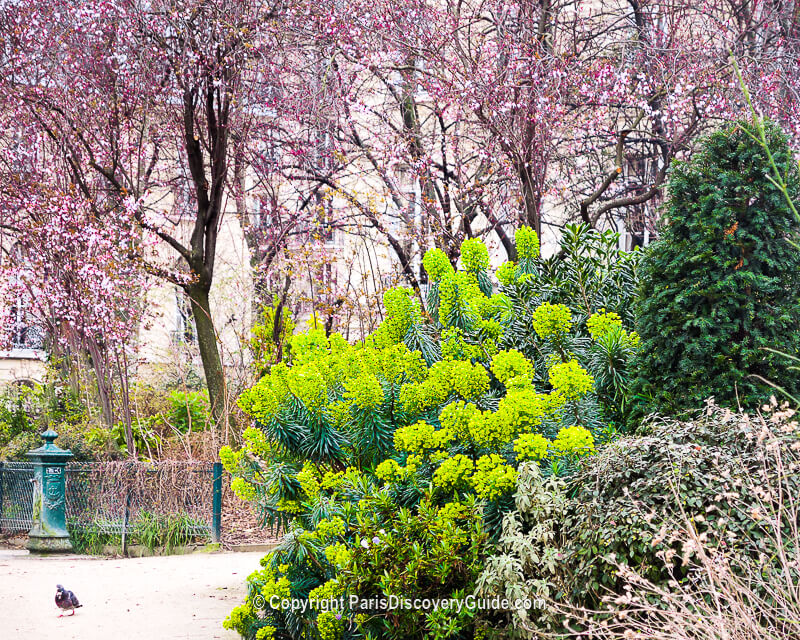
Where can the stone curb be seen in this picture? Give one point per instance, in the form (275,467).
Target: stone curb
(265,548)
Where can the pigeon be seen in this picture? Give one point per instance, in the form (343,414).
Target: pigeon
(66,600)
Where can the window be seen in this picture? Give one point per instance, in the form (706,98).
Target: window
(23,151)
(420,69)
(266,95)
(423,278)
(25,334)
(406,186)
(326,279)
(24,331)
(389,280)
(324,228)
(639,238)
(183,190)
(323,151)
(266,152)
(328,276)
(184,332)
(261,210)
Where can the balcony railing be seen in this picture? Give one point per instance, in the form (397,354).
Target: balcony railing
(27,337)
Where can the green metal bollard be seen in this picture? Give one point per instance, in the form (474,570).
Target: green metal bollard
(216,503)
(2,497)
(49,532)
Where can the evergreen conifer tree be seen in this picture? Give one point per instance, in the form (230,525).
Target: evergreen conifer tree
(721,285)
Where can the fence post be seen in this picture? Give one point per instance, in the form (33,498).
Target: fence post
(216,508)
(2,464)
(125,517)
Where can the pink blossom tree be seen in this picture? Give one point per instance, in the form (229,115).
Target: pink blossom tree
(76,275)
(431,121)
(144,101)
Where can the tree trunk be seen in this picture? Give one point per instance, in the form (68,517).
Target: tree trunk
(210,355)
(532,198)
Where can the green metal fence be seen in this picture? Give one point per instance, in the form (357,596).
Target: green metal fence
(112,496)
(16,496)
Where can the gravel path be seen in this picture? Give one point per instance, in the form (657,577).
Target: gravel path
(162,598)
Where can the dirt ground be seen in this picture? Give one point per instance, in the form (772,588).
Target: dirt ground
(161,598)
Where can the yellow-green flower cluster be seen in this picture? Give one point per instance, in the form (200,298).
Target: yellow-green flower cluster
(420,437)
(552,320)
(521,410)
(570,379)
(454,472)
(531,446)
(450,530)
(511,364)
(524,409)
(365,391)
(308,384)
(228,458)
(413,463)
(488,429)
(328,367)
(279,587)
(456,416)
(402,309)
(257,442)
(290,506)
(436,264)
(338,414)
(450,376)
(398,361)
(496,304)
(493,329)
(332,480)
(243,489)
(518,383)
(453,511)
(474,255)
(468,381)
(458,290)
(239,619)
(527,243)
(338,554)
(266,633)
(602,322)
(492,477)
(330,528)
(416,398)
(308,345)
(388,470)
(574,440)
(506,273)
(309,477)
(329,590)
(454,347)
(329,626)
(262,400)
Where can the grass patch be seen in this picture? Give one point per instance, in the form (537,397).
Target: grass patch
(154,531)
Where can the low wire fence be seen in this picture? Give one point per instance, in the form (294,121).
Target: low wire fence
(16,496)
(113,497)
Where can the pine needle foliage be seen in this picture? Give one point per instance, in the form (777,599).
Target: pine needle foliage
(722,284)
